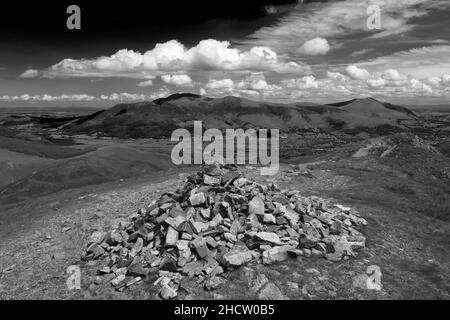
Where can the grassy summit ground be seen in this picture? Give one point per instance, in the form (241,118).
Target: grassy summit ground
(397,176)
(407,234)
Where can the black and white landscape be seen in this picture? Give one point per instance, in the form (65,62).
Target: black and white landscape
(92,205)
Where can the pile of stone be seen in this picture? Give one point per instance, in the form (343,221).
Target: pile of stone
(221,220)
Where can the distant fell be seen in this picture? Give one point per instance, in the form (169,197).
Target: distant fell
(158,118)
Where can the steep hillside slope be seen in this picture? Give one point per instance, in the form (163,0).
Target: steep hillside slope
(105,164)
(370,112)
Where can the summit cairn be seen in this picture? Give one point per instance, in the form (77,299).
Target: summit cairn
(216,222)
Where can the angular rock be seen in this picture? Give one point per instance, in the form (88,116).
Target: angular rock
(169,263)
(230,177)
(341,248)
(269,237)
(104,270)
(167,292)
(186,236)
(213,170)
(307,241)
(214,283)
(216,221)
(193,268)
(258,282)
(182,245)
(291,216)
(175,222)
(113,238)
(115,282)
(211,242)
(197,199)
(235,227)
(212,181)
(230,237)
(216,271)
(137,270)
(271,292)
(240,182)
(171,236)
(277,254)
(237,256)
(206,213)
(97,237)
(256,206)
(199,227)
(137,247)
(269,219)
(253,221)
(201,248)
(96,251)
(133,281)
(186,227)
(175,211)
(293,286)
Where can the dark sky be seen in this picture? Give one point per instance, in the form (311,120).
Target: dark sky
(34,33)
(45,21)
(274,50)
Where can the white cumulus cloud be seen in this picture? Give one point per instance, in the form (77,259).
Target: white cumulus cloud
(314,47)
(357,73)
(173,56)
(113,97)
(177,79)
(220,84)
(306,82)
(257,82)
(421,63)
(337,19)
(30,73)
(146,83)
(49,98)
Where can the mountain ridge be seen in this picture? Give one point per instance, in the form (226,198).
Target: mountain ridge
(158,118)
